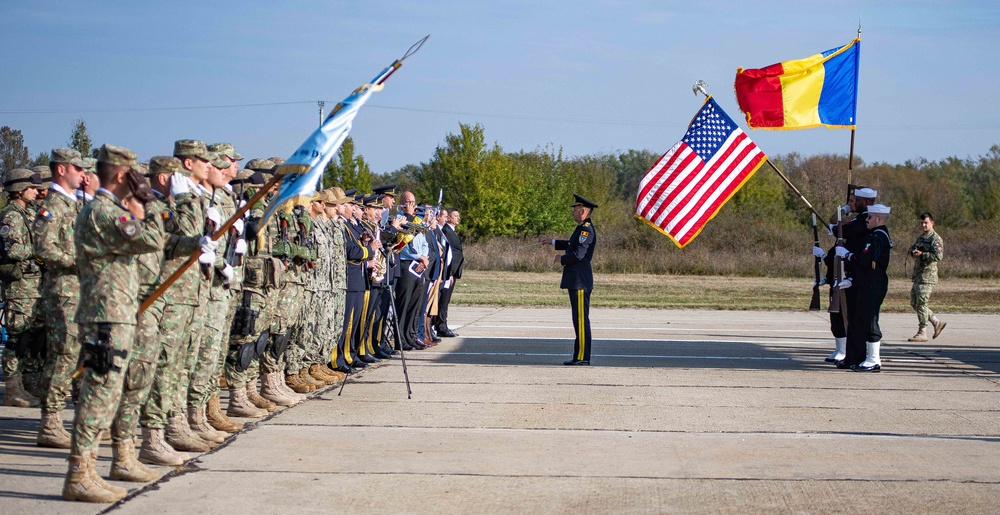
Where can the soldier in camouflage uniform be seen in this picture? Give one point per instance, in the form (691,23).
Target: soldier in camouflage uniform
(927,251)
(147,347)
(338,262)
(285,302)
(107,239)
(166,407)
(20,275)
(204,374)
(250,284)
(60,291)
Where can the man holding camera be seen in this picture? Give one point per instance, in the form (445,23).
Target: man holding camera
(926,252)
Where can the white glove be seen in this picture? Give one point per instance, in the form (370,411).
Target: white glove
(831,228)
(241,204)
(818,252)
(821,282)
(214,216)
(841,251)
(208,245)
(207,258)
(238,225)
(241,247)
(845,284)
(228,273)
(846,209)
(179,184)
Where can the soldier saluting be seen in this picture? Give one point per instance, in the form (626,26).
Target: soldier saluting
(108,239)
(578,276)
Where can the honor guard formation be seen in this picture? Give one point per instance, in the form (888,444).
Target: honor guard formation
(274,309)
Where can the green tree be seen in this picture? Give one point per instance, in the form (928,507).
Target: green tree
(41,159)
(347,170)
(80,138)
(13,153)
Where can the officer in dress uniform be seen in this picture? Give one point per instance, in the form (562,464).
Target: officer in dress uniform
(578,276)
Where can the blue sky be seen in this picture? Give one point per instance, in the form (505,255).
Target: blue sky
(586,76)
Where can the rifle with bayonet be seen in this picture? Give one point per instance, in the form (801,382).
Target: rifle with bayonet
(817,268)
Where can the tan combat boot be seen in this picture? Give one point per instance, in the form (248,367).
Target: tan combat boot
(222,381)
(317,373)
(16,395)
(254,397)
(938,326)
(180,437)
(297,385)
(306,375)
(336,373)
(218,419)
(117,490)
(272,392)
(125,466)
(921,335)
(51,432)
(283,386)
(80,486)
(240,406)
(199,426)
(156,451)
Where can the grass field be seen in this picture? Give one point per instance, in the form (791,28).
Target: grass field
(712,292)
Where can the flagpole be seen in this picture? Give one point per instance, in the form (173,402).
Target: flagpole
(699,87)
(158,292)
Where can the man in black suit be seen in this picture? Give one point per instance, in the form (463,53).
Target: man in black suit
(578,276)
(454,272)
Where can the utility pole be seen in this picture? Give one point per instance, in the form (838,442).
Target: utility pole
(321,104)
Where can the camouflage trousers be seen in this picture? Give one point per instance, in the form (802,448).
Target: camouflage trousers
(190,358)
(142,369)
(205,374)
(224,337)
(258,302)
(284,306)
(920,295)
(63,351)
(326,311)
(100,394)
(175,320)
(22,315)
(304,351)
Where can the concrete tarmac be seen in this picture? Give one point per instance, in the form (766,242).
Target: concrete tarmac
(681,411)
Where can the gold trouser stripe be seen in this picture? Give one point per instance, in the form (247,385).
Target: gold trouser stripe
(362,349)
(581,330)
(347,338)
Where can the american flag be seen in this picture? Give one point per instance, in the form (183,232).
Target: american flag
(694,179)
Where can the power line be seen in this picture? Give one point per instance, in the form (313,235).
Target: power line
(645,123)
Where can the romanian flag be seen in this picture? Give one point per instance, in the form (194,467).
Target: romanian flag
(818,91)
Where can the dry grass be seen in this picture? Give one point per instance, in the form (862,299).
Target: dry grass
(711,292)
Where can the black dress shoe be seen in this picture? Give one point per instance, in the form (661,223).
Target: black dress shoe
(392,352)
(381,354)
(448,334)
(345,370)
(369,359)
(874,368)
(435,339)
(842,364)
(418,345)
(830,360)
(358,363)
(577,362)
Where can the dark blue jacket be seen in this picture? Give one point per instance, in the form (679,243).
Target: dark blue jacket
(577,272)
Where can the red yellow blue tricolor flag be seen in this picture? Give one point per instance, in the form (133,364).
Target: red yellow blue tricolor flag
(818,91)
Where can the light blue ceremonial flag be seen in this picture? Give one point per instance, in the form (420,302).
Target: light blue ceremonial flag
(301,173)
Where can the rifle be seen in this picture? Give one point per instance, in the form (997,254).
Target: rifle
(818,266)
(838,298)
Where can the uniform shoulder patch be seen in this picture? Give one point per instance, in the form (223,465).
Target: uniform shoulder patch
(583,236)
(167,215)
(128,226)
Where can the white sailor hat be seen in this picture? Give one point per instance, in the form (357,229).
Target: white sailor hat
(865,193)
(878,209)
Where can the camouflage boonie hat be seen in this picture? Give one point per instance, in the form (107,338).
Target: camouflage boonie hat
(218,161)
(335,197)
(242,176)
(67,155)
(20,179)
(164,164)
(278,161)
(225,149)
(191,148)
(261,165)
(118,156)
